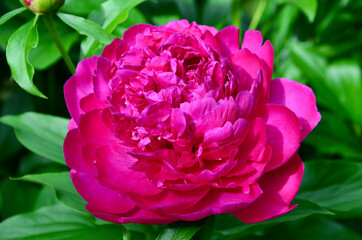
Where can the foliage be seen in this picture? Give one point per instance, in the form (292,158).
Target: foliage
(315,42)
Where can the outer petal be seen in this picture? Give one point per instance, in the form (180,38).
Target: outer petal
(169,201)
(130,35)
(72,147)
(283,133)
(300,99)
(110,51)
(113,165)
(218,202)
(135,216)
(79,86)
(99,195)
(93,130)
(253,41)
(253,66)
(279,188)
(228,39)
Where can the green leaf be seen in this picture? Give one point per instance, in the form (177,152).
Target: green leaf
(188,9)
(109,16)
(83,8)
(4,18)
(87,27)
(283,27)
(229,225)
(207,229)
(47,53)
(216,11)
(56,223)
(181,230)
(17,197)
(344,78)
(334,135)
(40,133)
(126,234)
(334,185)
(16,102)
(308,7)
(63,186)
(311,229)
(314,68)
(17,51)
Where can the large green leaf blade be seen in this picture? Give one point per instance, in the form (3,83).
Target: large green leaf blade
(229,225)
(82,8)
(334,185)
(4,18)
(181,230)
(40,133)
(56,223)
(87,27)
(344,79)
(63,187)
(17,51)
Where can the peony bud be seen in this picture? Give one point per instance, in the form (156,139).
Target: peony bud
(42,6)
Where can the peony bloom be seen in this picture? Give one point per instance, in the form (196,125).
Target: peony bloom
(178,123)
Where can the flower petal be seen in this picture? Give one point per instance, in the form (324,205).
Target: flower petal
(228,40)
(79,86)
(137,215)
(279,188)
(113,165)
(72,147)
(283,133)
(91,190)
(253,41)
(219,202)
(298,98)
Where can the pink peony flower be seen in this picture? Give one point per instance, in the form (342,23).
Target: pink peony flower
(178,123)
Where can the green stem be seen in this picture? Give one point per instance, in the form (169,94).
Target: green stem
(236,14)
(48,19)
(257,15)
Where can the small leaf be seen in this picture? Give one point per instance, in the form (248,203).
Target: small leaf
(109,16)
(334,185)
(10,14)
(308,7)
(55,223)
(181,230)
(126,234)
(40,133)
(62,184)
(17,51)
(87,27)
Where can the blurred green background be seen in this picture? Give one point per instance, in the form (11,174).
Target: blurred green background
(317,43)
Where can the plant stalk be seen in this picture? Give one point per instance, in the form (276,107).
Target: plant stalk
(48,19)
(257,15)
